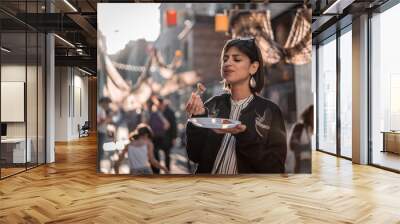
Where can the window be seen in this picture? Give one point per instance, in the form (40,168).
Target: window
(327,95)
(346,95)
(22,66)
(385,87)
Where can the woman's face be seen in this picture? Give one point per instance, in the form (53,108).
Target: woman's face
(236,66)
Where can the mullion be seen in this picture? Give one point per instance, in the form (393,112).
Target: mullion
(338,94)
(46,36)
(316,97)
(37,90)
(26,87)
(369,100)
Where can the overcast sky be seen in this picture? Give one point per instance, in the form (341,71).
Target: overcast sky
(123,22)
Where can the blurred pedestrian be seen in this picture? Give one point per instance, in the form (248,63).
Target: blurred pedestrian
(104,118)
(159,124)
(140,151)
(131,118)
(300,140)
(171,132)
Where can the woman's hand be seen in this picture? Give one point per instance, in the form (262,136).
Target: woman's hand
(195,105)
(236,130)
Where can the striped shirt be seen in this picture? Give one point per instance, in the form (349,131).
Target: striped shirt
(225,163)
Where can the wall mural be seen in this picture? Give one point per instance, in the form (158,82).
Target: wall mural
(204,88)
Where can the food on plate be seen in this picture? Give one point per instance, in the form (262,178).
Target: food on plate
(200,88)
(225,121)
(218,123)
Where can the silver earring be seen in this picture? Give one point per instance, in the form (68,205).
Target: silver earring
(253,82)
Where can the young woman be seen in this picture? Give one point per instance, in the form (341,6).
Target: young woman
(140,151)
(258,145)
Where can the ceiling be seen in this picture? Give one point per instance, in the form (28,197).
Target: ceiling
(76,22)
(279,8)
(327,21)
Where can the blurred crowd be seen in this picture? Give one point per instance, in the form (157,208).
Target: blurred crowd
(140,140)
(132,140)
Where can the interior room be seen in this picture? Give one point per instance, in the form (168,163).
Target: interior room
(22,102)
(73,82)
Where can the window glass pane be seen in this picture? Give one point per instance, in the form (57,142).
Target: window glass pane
(31,97)
(346,94)
(327,96)
(41,97)
(385,84)
(14,153)
(22,87)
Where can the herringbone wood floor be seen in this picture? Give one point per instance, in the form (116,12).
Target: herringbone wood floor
(70,191)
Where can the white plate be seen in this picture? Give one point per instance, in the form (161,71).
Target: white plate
(220,123)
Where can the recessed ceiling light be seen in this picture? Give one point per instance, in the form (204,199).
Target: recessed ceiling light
(70,5)
(5,50)
(64,40)
(84,71)
(338,6)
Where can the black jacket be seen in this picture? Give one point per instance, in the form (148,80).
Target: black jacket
(261,148)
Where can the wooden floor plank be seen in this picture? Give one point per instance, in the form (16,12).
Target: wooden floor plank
(70,191)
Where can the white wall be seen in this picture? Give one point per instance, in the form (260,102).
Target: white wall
(70,84)
(16,73)
(13,73)
(80,94)
(33,126)
(61,103)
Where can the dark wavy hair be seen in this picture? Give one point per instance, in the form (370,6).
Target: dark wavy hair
(141,130)
(248,47)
